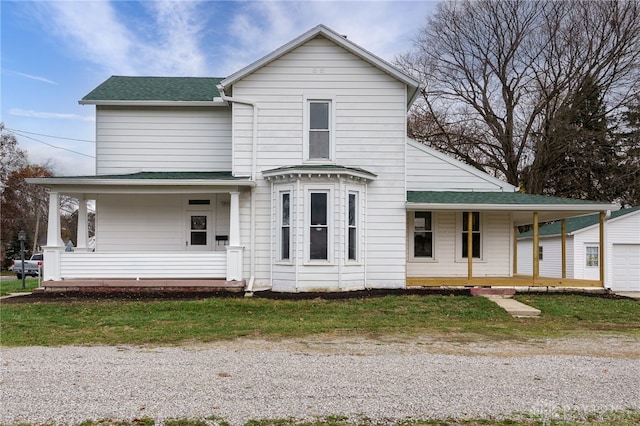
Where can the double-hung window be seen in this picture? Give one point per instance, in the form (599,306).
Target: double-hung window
(352,226)
(475,230)
(319,226)
(592,256)
(422,235)
(285,225)
(319,130)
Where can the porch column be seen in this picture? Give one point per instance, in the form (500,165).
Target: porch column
(515,250)
(83,226)
(234,249)
(536,249)
(469,245)
(563,231)
(51,252)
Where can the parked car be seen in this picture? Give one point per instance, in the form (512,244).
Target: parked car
(31,267)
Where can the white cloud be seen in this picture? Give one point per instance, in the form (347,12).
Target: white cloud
(54,115)
(35,77)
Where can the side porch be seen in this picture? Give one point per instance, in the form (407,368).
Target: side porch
(469,239)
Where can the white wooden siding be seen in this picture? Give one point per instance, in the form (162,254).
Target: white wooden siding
(370,133)
(153,223)
(447,262)
(551,265)
(428,172)
(137,264)
(162,139)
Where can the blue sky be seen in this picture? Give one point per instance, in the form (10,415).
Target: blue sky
(55,52)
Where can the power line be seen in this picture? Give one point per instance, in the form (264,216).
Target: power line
(53,146)
(48,136)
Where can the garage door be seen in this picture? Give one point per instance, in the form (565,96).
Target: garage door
(626,267)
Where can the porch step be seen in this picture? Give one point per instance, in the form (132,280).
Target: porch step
(481,291)
(513,307)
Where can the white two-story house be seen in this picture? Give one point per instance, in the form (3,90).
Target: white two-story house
(294,173)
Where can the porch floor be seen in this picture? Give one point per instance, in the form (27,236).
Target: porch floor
(130,285)
(515,281)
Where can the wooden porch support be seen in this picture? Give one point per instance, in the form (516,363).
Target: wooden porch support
(469,245)
(536,249)
(563,232)
(602,246)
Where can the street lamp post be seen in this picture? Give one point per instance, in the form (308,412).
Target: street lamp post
(22,236)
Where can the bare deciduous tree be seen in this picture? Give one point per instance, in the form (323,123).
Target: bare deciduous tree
(501,77)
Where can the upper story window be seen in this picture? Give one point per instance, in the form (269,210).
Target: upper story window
(319,130)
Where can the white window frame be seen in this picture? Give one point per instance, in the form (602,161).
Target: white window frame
(596,258)
(357,226)
(461,257)
(280,225)
(412,231)
(329,190)
(307,100)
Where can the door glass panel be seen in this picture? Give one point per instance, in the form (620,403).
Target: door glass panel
(198,230)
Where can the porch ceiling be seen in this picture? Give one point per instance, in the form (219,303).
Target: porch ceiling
(520,205)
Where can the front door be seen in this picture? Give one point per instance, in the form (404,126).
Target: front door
(199,230)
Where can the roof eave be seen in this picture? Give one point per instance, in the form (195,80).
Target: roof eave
(581,208)
(213,102)
(61,181)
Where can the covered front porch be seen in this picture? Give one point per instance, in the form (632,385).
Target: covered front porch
(494,218)
(152,230)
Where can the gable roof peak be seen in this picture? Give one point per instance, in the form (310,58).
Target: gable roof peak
(339,39)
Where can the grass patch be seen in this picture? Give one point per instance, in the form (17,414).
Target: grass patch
(609,418)
(162,322)
(15,286)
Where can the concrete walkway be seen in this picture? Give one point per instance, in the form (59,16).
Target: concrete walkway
(630,294)
(513,307)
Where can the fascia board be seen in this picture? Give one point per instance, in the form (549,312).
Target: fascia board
(153,103)
(577,209)
(506,187)
(94,185)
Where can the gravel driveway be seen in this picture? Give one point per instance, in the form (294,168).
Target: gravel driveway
(383,379)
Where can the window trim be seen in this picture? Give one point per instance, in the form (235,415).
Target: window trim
(307,100)
(596,263)
(314,189)
(357,226)
(411,239)
(281,226)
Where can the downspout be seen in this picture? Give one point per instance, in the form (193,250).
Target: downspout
(254,154)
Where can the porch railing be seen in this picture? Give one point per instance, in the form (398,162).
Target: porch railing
(132,265)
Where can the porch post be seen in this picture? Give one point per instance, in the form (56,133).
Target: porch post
(515,250)
(469,245)
(602,248)
(234,249)
(83,226)
(536,249)
(51,252)
(563,231)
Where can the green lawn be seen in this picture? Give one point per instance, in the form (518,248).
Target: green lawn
(15,286)
(161,322)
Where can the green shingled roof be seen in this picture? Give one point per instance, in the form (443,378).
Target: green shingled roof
(173,89)
(462,197)
(575,223)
